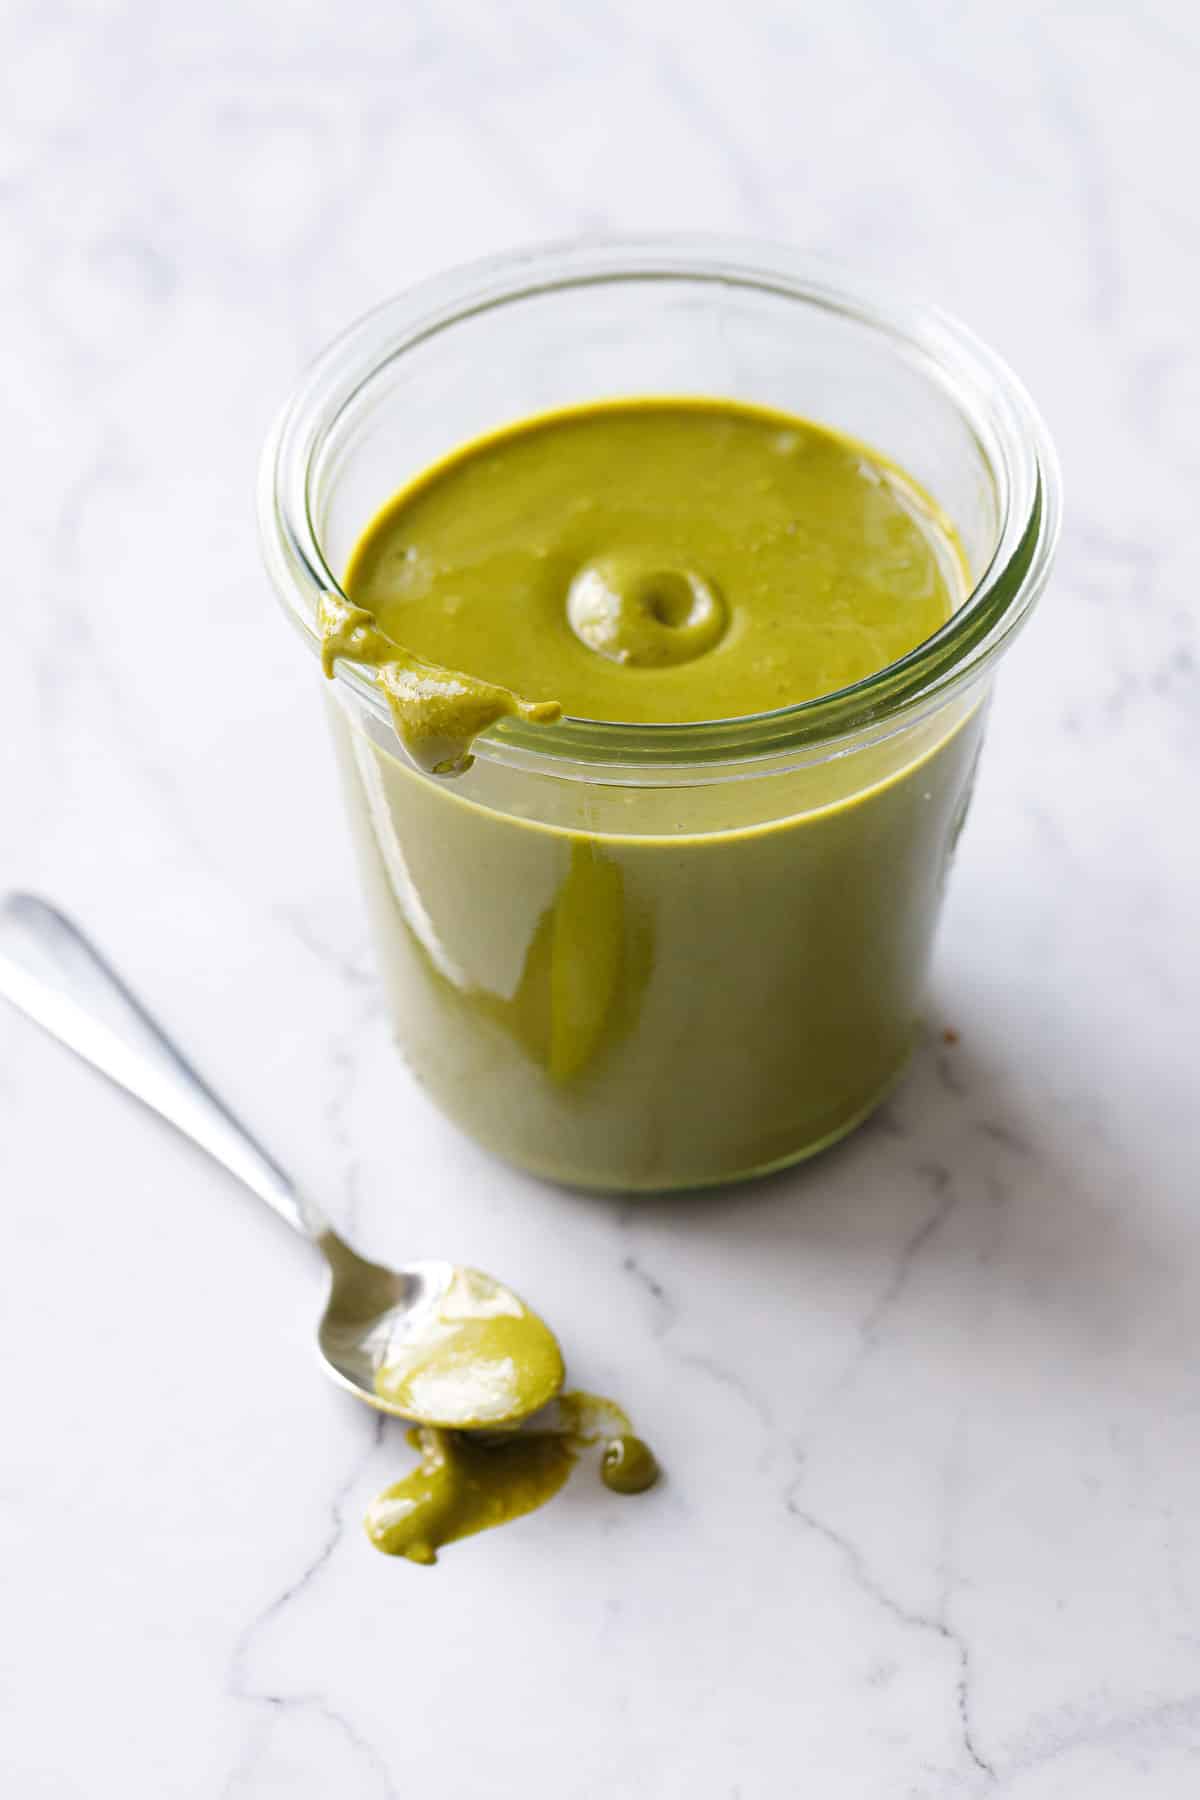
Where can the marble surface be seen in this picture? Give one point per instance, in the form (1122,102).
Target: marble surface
(931,1407)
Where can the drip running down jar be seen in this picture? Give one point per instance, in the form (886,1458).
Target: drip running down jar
(631,955)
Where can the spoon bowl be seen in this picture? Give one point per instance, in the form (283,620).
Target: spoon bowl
(435,1342)
(432,1342)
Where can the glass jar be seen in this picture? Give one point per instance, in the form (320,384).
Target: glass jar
(642,957)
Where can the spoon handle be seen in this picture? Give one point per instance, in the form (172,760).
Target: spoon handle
(51,972)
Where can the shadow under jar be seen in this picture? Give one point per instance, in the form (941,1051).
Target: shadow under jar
(654,956)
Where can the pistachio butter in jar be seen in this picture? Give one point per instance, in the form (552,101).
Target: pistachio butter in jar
(662,586)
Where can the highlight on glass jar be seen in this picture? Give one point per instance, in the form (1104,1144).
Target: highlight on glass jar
(661,587)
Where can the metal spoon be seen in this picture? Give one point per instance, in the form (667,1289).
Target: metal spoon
(426,1320)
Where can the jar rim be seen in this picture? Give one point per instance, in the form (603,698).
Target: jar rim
(995,404)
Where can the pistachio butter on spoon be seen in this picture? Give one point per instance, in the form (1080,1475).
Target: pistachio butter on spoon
(476,1356)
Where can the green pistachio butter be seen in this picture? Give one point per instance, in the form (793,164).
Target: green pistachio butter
(629,1465)
(483,1359)
(438,713)
(464,1483)
(650,986)
(461,1486)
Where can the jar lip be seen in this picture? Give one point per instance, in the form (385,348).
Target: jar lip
(1000,413)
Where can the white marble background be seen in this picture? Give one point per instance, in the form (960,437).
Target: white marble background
(931,1407)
